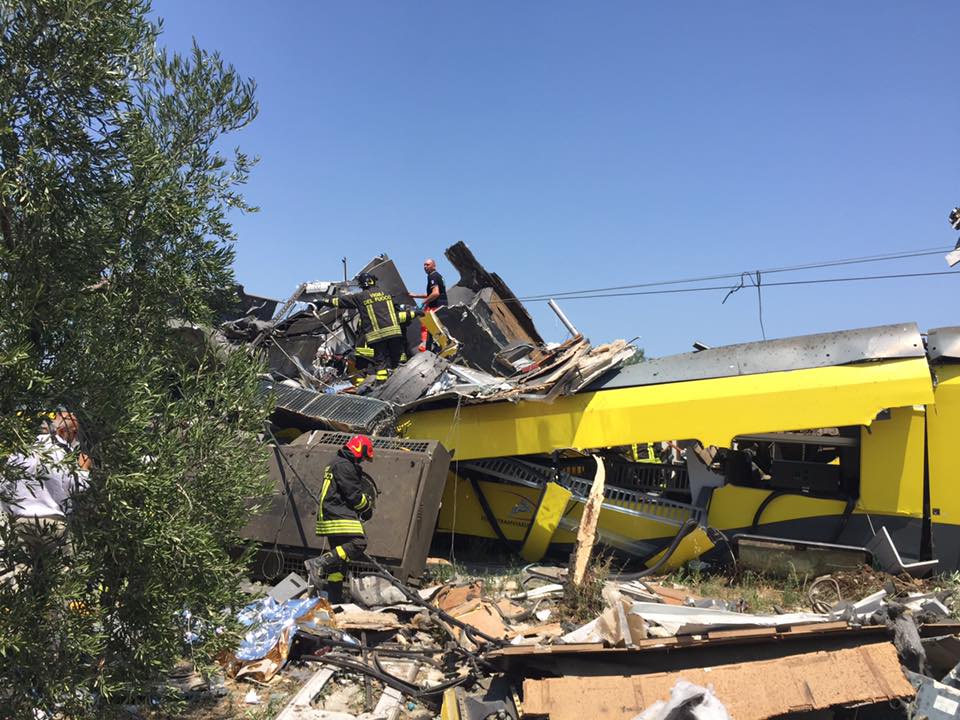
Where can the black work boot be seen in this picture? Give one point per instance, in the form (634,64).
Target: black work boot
(319,567)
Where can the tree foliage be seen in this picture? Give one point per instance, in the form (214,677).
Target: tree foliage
(114,202)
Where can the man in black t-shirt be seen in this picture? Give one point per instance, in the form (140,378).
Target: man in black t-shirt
(435,297)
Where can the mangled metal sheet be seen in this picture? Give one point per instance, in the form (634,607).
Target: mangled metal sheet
(511,311)
(412,379)
(944,343)
(307,408)
(884,342)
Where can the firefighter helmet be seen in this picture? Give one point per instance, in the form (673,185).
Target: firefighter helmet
(366,280)
(359,447)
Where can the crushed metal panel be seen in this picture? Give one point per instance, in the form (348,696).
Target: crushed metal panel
(412,379)
(409,474)
(944,343)
(802,683)
(477,346)
(339,411)
(712,411)
(884,342)
(474,276)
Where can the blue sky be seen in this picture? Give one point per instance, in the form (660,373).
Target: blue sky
(583,145)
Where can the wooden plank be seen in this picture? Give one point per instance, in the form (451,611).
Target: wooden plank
(391,702)
(587,532)
(300,704)
(744,633)
(818,628)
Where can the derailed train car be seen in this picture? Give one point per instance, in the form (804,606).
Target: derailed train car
(838,438)
(826,438)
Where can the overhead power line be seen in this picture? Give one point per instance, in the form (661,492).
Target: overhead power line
(782,283)
(596,292)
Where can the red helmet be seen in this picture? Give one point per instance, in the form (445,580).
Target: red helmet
(359,447)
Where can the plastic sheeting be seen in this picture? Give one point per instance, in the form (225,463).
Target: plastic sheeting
(687,702)
(267,619)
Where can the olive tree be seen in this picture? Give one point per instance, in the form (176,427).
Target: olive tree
(115,194)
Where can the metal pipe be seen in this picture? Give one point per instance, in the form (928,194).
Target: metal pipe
(563,318)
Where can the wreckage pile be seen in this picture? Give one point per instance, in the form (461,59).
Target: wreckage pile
(474,649)
(490,350)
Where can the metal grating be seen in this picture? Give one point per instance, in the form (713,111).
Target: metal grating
(616,499)
(337,439)
(350,412)
(642,476)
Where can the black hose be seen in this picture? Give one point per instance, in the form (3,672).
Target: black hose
(688,527)
(844,518)
(763,506)
(471,631)
(403,686)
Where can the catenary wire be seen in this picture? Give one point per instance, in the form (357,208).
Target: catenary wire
(565,294)
(708,288)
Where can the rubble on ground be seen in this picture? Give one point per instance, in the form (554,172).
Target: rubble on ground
(507,646)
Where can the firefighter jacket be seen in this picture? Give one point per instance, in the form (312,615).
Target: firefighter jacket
(404,317)
(379,319)
(343,499)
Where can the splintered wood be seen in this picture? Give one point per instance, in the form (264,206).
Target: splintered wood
(801,683)
(587,532)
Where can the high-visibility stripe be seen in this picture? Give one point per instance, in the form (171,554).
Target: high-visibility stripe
(365,351)
(383,333)
(335,577)
(364,501)
(382,375)
(339,527)
(341,552)
(327,480)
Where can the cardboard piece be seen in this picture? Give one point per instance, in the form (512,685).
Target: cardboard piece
(800,683)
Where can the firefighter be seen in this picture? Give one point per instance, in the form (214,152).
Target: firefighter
(380,323)
(346,501)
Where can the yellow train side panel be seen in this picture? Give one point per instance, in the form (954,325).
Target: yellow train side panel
(712,411)
(553,503)
(891,464)
(734,507)
(943,428)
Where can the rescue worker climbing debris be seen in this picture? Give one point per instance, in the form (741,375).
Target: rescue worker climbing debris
(380,323)
(347,500)
(435,297)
